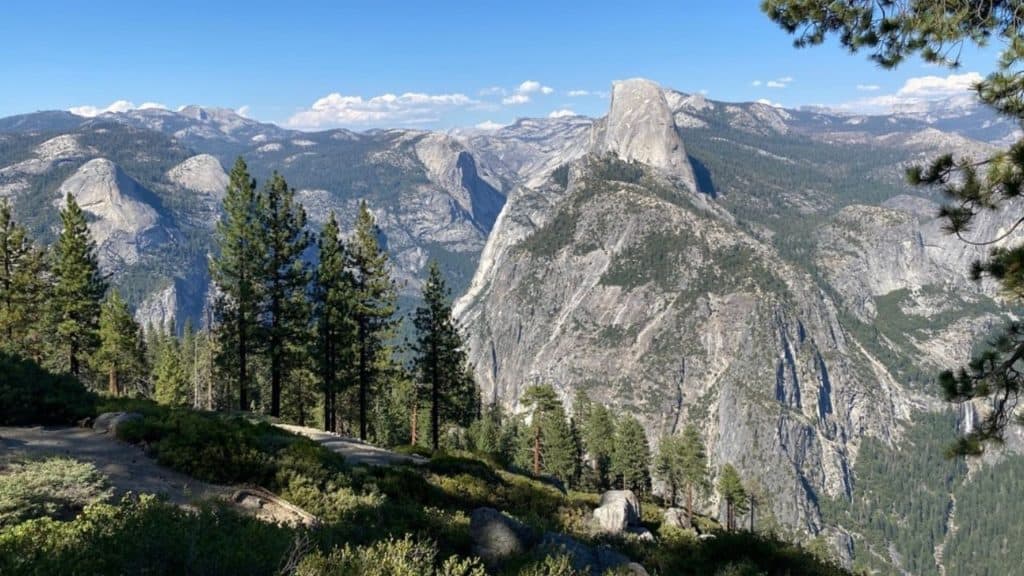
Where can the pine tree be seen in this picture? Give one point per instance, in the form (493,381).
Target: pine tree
(285,310)
(374,305)
(682,463)
(237,271)
(440,361)
(732,492)
(334,293)
(121,354)
(170,379)
(631,459)
(23,288)
(548,442)
(78,289)
(597,435)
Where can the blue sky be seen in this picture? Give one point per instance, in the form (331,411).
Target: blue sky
(434,64)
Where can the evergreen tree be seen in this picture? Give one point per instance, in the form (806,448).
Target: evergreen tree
(374,305)
(732,492)
(597,435)
(937,31)
(170,380)
(334,293)
(285,309)
(682,463)
(237,271)
(23,288)
(440,361)
(631,458)
(121,354)
(78,289)
(548,440)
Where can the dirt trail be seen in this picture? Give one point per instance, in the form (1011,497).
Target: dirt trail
(130,470)
(354,451)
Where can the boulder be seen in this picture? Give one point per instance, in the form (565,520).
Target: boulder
(497,537)
(677,518)
(585,558)
(619,510)
(110,422)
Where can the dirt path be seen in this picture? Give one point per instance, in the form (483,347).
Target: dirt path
(354,451)
(130,470)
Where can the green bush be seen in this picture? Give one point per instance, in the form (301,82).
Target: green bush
(55,487)
(391,557)
(31,395)
(144,536)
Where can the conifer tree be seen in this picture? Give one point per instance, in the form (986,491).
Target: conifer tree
(440,361)
(548,441)
(373,307)
(285,279)
(334,293)
(732,492)
(597,435)
(682,463)
(170,380)
(23,288)
(631,459)
(78,288)
(237,271)
(121,354)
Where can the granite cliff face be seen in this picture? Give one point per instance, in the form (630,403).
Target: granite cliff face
(640,127)
(613,277)
(122,223)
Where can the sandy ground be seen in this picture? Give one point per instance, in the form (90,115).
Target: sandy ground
(130,470)
(354,451)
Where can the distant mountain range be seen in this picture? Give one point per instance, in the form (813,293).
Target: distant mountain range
(762,272)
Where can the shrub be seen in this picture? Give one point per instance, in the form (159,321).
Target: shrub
(391,557)
(144,536)
(31,395)
(55,487)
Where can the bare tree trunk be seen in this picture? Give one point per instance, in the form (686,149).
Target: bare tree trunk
(689,504)
(113,386)
(414,423)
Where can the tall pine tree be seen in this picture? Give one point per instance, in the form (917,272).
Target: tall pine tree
(631,459)
(732,492)
(122,354)
(682,463)
(237,271)
(440,361)
(285,309)
(78,289)
(597,433)
(373,310)
(550,446)
(334,297)
(23,288)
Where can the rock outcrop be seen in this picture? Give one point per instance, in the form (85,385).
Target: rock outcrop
(122,222)
(619,510)
(201,173)
(496,537)
(640,126)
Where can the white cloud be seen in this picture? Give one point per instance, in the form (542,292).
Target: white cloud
(755,83)
(578,93)
(523,92)
(776,83)
(918,93)
(152,106)
(336,109)
(515,99)
(490,125)
(868,87)
(493,91)
(244,111)
(768,102)
(561,113)
(91,111)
